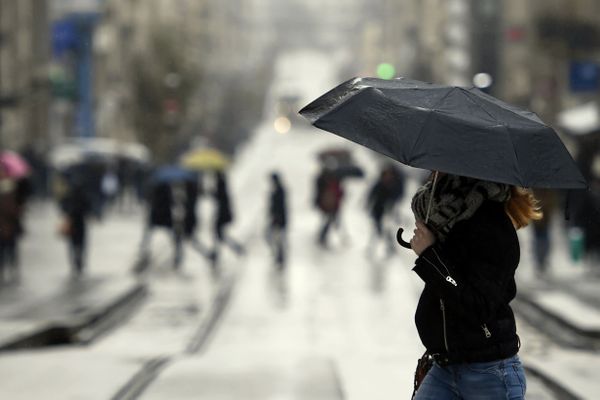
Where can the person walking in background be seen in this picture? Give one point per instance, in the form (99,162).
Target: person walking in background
(468,251)
(193,190)
(178,211)
(10,228)
(224,216)
(185,219)
(542,242)
(276,231)
(159,215)
(385,193)
(328,199)
(110,187)
(77,207)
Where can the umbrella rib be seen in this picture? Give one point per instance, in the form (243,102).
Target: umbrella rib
(516,158)
(468,96)
(514,152)
(430,111)
(506,107)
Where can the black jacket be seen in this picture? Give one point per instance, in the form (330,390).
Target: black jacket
(277,207)
(464,311)
(224,212)
(161,200)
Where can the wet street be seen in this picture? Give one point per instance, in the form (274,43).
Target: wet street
(336,324)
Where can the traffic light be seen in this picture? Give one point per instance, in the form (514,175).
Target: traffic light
(386,71)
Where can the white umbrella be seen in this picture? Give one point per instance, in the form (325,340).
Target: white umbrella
(135,151)
(64,155)
(580,120)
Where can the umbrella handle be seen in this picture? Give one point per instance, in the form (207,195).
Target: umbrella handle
(401,241)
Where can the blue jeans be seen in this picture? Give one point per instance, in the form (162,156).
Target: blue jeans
(502,379)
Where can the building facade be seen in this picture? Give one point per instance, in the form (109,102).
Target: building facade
(24,60)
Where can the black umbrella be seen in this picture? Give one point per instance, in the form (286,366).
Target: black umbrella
(461,131)
(340,162)
(338,155)
(349,171)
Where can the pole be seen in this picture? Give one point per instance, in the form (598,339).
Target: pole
(85,113)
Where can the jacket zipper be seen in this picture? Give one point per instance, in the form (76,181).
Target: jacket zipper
(486,331)
(446,277)
(443,308)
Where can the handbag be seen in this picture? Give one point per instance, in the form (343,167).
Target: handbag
(424,364)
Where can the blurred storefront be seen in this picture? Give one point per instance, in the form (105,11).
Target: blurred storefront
(24,58)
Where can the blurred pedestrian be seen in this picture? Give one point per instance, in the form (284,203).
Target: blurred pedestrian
(224,216)
(194,189)
(383,196)
(584,206)
(77,208)
(110,187)
(328,199)
(172,205)
(276,231)
(185,218)
(159,201)
(178,211)
(542,241)
(468,252)
(10,228)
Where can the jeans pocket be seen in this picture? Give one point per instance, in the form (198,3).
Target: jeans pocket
(516,382)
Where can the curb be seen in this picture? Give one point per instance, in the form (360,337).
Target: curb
(561,392)
(136,386)
(142,379)
(587,333)
(110,316)
(80,330)
(219,304)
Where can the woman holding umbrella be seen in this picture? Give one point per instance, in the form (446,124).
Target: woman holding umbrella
(466,219)
(468,252)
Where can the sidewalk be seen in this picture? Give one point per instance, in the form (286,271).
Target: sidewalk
(569,290)
(46,305)
(568,296)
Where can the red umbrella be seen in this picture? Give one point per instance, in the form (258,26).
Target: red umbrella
(14,165)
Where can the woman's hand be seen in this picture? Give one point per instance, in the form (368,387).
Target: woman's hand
(422,239)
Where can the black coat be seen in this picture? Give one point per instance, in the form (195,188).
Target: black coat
(77,206)
(464,310)
(161,200)
(192,191)
(224,212)
(277,207)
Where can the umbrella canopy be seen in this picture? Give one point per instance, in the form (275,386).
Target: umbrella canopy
(65,155)
(340,162)
(341,156)
(172,173)
(14,165)
(80,150)
(461,131)
(135,152)
(349,171)
(205,159)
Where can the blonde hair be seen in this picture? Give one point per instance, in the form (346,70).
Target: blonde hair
(522,207)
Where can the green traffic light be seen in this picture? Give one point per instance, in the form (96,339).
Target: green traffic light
(386,71)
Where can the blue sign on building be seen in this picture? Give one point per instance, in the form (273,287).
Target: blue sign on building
(584,76)
(65,37)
